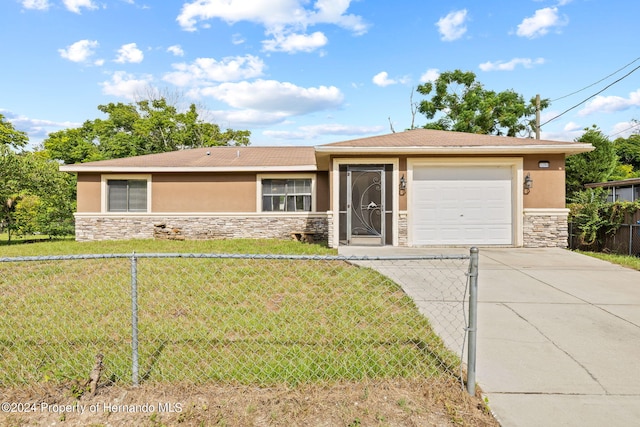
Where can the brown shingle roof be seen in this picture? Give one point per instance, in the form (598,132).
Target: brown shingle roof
(214,158)
(417,141)
(440,138)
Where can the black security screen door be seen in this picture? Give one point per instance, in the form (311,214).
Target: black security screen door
(365,205)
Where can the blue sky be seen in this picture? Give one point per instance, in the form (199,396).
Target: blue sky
(309,72)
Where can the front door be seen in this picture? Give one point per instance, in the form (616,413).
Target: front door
(365,205)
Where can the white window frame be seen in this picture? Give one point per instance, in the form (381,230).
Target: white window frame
(260,177)
(104,200)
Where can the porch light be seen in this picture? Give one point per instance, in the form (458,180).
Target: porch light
(403,185)
(528,183)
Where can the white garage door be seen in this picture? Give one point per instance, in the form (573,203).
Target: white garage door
(466,205)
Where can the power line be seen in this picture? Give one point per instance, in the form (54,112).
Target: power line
(597,93)
(593,84)
(624,130)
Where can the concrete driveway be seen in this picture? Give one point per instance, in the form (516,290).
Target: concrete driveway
(558,337)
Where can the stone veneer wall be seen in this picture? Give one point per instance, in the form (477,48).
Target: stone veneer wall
(403,229)
(545,228)
(198,227)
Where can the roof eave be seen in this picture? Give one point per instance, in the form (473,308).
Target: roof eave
(568,149)
(174,169)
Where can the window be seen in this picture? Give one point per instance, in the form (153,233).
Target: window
(126,195)
(286,195)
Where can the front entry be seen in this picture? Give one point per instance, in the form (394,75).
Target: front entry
(365,209)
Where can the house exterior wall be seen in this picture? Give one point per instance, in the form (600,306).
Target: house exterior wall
(203,192)
(548,183)
(545,228)
(206,226)
(541,219)
(197,206)
(89,194)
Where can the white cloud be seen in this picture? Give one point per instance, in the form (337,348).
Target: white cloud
(285,21)
(79,51)
(246,118)
(36,4)
(129,53)
(431,75)
(572,126)
(540,23)
(292,43)
(176,50)
(611,104)
(623,130)
(338,129)
(382,79)
(511,65)
(237,39)
(452,26)
(271,14)
(75,5)
(37,129)
(124,85)
(274,96)
(315,131)
(206,70)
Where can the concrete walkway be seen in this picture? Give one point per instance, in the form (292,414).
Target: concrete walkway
(558,336)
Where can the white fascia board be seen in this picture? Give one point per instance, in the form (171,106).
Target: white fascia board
(497,149)
(151,169)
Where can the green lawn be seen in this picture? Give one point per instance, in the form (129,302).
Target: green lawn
(30,238)
(246,246)
(246,321)
(624,260)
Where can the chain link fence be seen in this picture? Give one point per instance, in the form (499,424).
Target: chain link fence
(235,319)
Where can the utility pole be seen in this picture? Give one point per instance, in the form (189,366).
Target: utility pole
(538,116)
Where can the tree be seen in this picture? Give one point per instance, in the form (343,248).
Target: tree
(10,136)
(34,196)
(52,196)
(145,127)
(465,106)
(594,166)
(9,187)
(628,150)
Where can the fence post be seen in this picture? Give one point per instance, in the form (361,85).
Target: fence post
(473,321)
(134,319)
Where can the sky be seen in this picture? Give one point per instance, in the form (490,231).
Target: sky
(311,72)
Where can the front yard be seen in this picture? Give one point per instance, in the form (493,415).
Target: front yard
(233,341)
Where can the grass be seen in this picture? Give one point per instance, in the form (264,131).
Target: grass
(623,260)
(30,238)
(242,246)
(237,321)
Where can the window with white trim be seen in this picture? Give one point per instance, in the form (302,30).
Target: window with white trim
(127,195)
(286,195)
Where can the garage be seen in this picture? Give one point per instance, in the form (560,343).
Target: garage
(461,205)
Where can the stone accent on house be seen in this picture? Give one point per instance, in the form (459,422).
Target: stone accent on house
(89,227)
(330,231)
(545,228)
(403,229)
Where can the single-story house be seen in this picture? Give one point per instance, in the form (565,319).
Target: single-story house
(415,188)
(625,190)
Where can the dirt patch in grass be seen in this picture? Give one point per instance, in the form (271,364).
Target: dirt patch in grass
(372,403)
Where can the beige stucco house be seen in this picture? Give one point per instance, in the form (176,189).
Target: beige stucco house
(415,188)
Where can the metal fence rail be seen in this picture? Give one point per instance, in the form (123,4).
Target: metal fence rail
(251,319)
